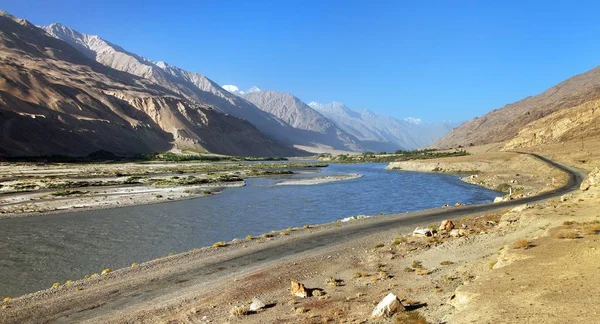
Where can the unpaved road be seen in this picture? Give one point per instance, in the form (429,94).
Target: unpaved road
(165,281)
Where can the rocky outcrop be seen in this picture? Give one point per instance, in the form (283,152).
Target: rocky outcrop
(565,125)
(592,180)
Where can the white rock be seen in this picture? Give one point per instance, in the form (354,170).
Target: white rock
(256,305)
(423,232)
(388,306)
(347,219)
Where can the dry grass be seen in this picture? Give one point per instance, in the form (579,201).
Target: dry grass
(379,245)
(399,240)
(571,235)
(219,244)
(522,244)
(239,311)
(334,282)
(445,263)
(360,275)
(410,318)
(591,229)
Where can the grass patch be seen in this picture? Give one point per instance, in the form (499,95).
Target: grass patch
(379,245)
(219,244)
(571,235)
(238,311)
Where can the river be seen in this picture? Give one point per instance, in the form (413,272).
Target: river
(38,251)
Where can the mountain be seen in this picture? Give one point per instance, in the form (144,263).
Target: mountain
(192,86)
(575,123)
(54,100)
(312,125)
(505,123)
(382,133)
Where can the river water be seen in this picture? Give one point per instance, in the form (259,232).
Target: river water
(38,251)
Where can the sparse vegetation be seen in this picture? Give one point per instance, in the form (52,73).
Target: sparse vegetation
(379,245)
(334,282)
(410,318)
(392,157)
(219,244)
(445,263)
(239,311)
(503,187)
(522,244)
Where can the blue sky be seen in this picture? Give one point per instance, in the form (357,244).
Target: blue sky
(437,60)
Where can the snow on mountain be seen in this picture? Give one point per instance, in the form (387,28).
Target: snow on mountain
(382,133)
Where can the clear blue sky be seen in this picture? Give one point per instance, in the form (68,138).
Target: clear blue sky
(437,60)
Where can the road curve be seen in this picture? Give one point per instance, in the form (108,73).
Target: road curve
(133,289)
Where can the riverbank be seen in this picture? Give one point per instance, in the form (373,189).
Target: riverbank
(29,189)
(516,175)
(188,289)
(318,180)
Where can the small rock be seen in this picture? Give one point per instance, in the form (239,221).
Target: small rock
(299,290)
(317,292)
(423,232)
(256,305)
(458,204)
(388,306)
(447,225)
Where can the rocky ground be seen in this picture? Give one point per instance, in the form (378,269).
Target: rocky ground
(533,262)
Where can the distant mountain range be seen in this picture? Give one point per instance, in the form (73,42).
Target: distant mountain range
(90,95)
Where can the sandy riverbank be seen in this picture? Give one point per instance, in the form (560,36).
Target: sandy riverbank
(453,278)
(319,180)
(28,189)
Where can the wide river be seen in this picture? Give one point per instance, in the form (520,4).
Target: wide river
(38,251)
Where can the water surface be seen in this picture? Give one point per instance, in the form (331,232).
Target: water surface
(37,251)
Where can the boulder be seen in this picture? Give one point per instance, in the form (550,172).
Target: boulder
(388,306)
(298,289)
(256,305)
(447,225)
(592,180)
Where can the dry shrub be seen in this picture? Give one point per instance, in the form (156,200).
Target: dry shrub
(410,318)
(219,244)
(522,244)
(445,263)
(379,245)
(239,311)
(591,229)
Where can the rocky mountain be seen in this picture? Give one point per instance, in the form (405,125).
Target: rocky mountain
(574,123)
(505,123)
(54,99)
(382,133)
(193,86)
(312,125)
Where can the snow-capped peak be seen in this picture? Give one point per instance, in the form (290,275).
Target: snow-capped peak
(413,120)
(314,104)
(253,89)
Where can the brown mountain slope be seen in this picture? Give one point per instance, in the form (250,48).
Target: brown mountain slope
(55,100)
(505,123)
(579,122)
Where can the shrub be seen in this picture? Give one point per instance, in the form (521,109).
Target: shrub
(417,264)
(133,265)
(410,318)
(56,285)
(249,237)
(503,187)
(591,229)
(446,263)
(239,311)
(379,245)
(398,240)
(219,244)
(522,244)
(106,271)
